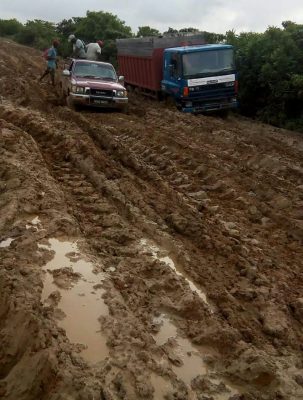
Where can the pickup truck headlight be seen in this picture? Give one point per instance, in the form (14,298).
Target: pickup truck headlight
(121,93)
(78,89)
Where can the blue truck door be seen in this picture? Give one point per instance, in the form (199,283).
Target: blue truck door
(172,74)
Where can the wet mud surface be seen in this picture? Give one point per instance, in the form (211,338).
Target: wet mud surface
(148,255)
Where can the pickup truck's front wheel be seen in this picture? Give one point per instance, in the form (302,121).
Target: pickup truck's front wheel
(69,102)
(124,109)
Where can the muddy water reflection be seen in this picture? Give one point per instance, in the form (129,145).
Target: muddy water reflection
(156,253)
(167,330)
(82,304)
(192,362)
(161,386)
(34,223)
(191,357)
(6,242)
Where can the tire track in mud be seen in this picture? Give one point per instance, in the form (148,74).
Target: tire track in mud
(259,216)
(113,252)
(242,243)
(114,145)
(117,194)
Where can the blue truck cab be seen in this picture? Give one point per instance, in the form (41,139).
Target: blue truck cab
(200,78)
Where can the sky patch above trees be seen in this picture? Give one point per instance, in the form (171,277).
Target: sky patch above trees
(215,15)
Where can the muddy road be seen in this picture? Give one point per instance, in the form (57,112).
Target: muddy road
(148,255)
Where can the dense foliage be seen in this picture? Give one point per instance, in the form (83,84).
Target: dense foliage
(270,64)
(270,69)
(147,31)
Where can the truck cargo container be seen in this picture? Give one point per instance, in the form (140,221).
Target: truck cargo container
(197,76)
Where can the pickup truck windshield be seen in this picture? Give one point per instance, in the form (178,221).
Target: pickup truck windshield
(204,63)
(94,71)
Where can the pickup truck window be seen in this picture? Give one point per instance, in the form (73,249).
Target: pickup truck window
(94,70)
(208,62)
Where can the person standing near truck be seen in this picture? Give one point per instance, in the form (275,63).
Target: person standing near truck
(93,51)
(79,48)
(51,57)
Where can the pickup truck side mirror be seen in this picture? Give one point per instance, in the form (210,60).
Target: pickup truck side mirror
(66,72)
(121,79)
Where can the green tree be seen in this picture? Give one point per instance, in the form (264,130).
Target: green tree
(189,30)
(211,37)
(102,26)
(171,31)
(270,74)
(9,27)
(37,33)
(66,27)
(147,31)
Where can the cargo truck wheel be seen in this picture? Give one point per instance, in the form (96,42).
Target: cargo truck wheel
(170,101)
(223,113)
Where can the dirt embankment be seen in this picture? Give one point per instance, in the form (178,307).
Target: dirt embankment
(153,255)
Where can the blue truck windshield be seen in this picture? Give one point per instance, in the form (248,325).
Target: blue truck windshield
(205,63)
(94,70)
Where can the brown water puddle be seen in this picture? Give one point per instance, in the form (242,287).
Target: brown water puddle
(161,386)
(157,253)
(192,362)
(191,356)
(80,302)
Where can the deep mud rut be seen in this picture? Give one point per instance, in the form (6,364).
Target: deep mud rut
(153,255)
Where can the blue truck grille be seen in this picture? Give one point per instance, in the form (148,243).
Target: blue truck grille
(212,92)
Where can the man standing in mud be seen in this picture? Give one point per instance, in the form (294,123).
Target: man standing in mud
(51,65)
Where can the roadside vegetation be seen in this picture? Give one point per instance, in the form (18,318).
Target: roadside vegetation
(270,64)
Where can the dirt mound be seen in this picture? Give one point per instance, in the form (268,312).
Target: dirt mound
(153,255)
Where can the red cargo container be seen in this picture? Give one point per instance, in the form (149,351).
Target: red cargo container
(144,72)
(141,59)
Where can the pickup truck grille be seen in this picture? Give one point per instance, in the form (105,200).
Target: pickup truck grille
(101,92)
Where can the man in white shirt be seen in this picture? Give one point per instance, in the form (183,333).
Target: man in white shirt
(93,51)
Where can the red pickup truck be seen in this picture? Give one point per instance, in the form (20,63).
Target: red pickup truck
(93,83)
